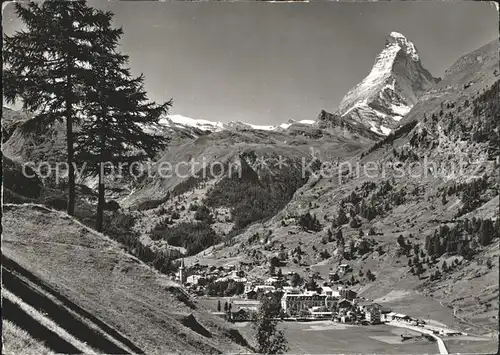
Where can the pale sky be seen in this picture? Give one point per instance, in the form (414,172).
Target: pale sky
(265,63)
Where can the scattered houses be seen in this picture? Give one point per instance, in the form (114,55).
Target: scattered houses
(372,315)
(320,313)
(264,288)
(272,281)
(348,294)
(327,290)
(343,269)
(244,310)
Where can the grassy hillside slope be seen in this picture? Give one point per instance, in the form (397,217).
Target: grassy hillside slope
(93,272)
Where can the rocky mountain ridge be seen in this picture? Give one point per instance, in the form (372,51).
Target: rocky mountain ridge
(394,84)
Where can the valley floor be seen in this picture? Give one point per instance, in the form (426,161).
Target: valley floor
(326,337)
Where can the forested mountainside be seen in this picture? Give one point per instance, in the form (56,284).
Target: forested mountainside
(423,217)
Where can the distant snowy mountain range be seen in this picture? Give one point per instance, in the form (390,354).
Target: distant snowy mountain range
(373,108)
(179,121)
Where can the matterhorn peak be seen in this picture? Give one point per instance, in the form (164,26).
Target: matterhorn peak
(389,91)
(399,40)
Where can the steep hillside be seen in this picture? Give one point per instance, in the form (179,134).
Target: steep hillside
(30,142)
(424,195)
(10,120)
(19,186)
(342,125)
(226,146)
(217,185)
(93,272)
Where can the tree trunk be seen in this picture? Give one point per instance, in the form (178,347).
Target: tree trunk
(102,161)
(100,202)
(69,127)
(71,171)
(101,189)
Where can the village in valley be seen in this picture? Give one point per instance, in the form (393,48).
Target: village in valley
(236,296)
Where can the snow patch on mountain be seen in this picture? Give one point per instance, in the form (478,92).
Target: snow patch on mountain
(261,128)
(291,122)
(400,110)
(179,120)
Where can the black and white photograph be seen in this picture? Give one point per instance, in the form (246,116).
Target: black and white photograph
(250,177)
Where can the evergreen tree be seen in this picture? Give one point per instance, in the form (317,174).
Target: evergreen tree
(335,277)
(436,246)
(370,275)
(47,66)
(340,238)
(309,222)
(269,339)
(341,218)
(117,112)
(418,269)
(311,284)
(352,247)
(401,241)
(329,234)
(364,247)
(486,231)
(296,280)
(355,223)
(203,214)
(428,244)
(272,269)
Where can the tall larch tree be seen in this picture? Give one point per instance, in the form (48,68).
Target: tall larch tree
(117,114)
(46,66)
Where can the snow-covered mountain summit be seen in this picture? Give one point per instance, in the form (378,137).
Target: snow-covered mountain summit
(393,86)
(179,121)
(183,121)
